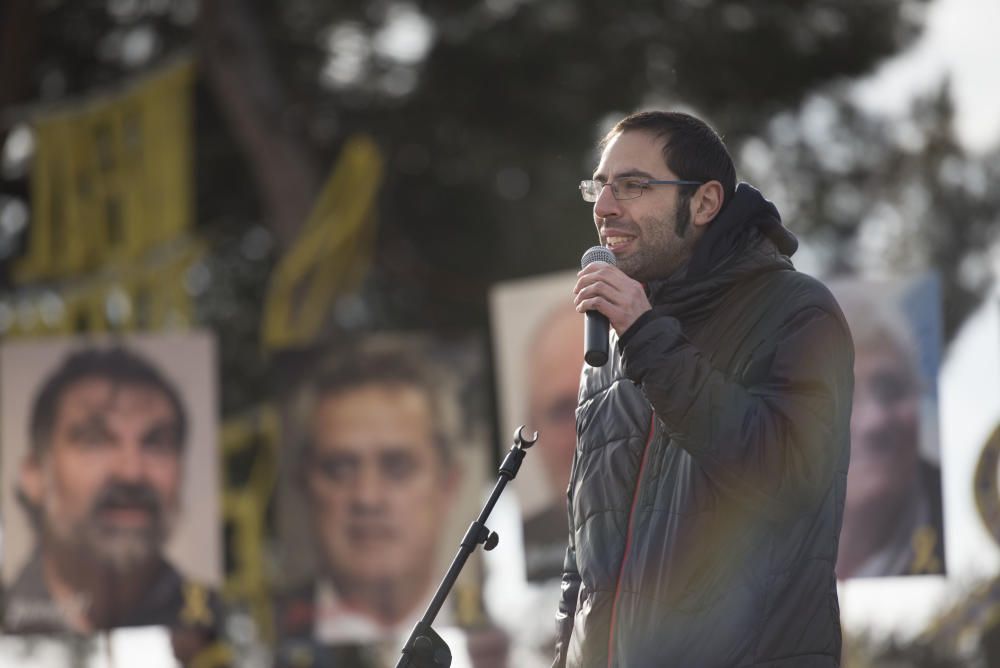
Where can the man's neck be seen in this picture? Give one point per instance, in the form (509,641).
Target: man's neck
(386,602)
(90,594)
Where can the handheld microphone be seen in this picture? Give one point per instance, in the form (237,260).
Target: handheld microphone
(595,329)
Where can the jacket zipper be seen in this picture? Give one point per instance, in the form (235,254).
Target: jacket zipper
(628,540)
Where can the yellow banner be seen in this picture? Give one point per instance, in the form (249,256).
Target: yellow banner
(254,436)
(111,177)
(332,251)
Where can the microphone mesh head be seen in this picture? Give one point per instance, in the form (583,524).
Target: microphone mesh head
(598,254)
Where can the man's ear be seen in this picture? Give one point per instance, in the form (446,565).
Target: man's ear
(706,203)
(30,479)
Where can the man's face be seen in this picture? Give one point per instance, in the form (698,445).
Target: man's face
(884,430)
(108,485)
(555,380)
(378,485)
(650,235)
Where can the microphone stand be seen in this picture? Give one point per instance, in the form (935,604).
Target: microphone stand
(425,648)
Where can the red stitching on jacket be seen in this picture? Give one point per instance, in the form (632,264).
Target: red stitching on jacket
(628,541)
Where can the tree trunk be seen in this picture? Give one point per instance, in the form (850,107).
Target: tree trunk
(246,85)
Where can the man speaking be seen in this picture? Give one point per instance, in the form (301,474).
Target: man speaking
(712,447)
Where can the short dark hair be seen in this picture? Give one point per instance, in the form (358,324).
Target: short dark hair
(118,365)
(691,148)
(387,367)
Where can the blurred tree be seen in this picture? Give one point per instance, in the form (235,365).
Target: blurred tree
(486,112)
(884,196)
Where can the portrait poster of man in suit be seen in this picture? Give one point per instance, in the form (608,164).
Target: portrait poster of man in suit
(386,457)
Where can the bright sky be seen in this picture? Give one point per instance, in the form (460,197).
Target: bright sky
(959,42)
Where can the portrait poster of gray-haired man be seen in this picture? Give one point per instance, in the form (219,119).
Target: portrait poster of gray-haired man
(893,514)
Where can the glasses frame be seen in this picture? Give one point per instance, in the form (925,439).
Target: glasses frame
(645,182)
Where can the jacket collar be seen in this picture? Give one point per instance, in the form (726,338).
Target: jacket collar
(745,239)
(748,210)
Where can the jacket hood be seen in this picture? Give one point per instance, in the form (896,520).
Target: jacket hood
(733,227)
(745,239)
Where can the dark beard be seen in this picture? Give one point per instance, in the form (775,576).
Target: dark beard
(682,215)
(106,547)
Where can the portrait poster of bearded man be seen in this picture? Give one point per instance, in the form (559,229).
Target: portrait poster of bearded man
(110,492)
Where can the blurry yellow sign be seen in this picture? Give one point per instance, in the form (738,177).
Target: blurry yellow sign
(332,250)
(254,434)
(109,246)
(111,177)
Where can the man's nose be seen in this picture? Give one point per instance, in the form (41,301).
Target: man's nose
(369,488)
(129,465)
(868,415)
(606,205)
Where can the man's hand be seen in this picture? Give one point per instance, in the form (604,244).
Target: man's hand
(606,289)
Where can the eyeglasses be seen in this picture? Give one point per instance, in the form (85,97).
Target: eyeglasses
(625,188)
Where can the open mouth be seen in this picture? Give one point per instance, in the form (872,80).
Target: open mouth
(616,242)
(371,535)
(134,516)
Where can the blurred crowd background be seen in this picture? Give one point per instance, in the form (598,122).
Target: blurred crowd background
(279,279)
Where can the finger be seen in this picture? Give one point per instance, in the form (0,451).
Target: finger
(599,268)
(598,304)
(613,277)
(608,275)
(601,289)
(586,281)
(593,287)
(583,282)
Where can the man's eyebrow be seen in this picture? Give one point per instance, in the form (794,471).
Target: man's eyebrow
(92,420)
(158,427)
(628,173)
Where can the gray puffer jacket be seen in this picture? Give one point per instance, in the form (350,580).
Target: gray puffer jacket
(708,482)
